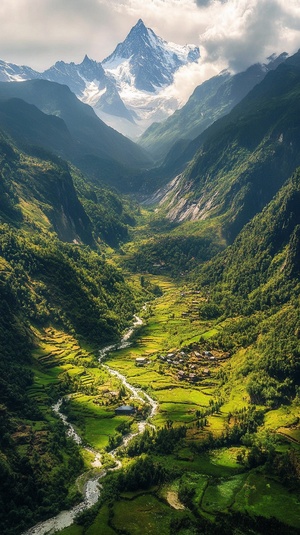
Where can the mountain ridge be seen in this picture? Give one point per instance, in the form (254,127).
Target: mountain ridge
(149,68)
(209,101)
(243,158)
(85,138)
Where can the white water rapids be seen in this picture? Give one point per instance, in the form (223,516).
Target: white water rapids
(92,489)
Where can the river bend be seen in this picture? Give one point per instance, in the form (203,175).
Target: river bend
(92,488)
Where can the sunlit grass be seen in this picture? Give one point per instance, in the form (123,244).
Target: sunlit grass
(100,525)
(183,395)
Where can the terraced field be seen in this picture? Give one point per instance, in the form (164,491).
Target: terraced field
(60,360)
(171,339)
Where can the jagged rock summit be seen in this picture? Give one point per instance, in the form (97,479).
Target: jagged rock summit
(146,61)
(126,90)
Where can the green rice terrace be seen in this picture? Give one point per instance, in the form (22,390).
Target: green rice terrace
(212,461)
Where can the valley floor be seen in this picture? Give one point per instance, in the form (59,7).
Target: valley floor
(214,479)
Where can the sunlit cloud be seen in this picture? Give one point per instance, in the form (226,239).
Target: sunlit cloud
(246,31)
(233,33)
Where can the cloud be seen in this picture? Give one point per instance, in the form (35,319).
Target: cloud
(235,33)
(206,3)
(189,77)
(174,20)
(40,32)
(247,31)
(201,3)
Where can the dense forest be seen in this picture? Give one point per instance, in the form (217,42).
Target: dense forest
(44,282)
(256,281)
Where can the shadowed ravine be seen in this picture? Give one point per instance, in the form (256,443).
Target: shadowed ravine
(92,489)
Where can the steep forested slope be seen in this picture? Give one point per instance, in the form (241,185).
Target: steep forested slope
(38,190)
(210,101)
(245,157)
(41,191)
(256,281)
(48,286)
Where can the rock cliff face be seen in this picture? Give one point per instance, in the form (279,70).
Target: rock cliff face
(66,214)
(37,189)
(176,198)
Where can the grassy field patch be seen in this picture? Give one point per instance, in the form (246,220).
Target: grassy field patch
(221,496)
(180,413)
(190,396)
(146,514)
(284,416)
(100,525)
(261,495)
(226,457)
(95,422)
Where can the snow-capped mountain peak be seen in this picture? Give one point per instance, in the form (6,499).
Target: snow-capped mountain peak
(130,89)
(15,73)
(147,61)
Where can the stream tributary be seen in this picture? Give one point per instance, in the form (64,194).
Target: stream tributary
(92,487)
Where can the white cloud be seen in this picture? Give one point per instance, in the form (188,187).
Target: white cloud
(39,32)
(236,33)
(173,20)
(246,31)
(189,77)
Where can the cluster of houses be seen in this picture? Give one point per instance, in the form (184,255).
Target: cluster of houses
(196,364)
(191,364)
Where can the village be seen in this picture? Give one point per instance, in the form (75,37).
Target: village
(197,363)
(191,365)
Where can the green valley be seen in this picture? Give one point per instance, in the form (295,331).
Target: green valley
(190,423)
(220,456)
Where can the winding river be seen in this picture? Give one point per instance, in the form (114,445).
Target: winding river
(92,489)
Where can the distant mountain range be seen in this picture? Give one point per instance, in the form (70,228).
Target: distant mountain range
(126,89)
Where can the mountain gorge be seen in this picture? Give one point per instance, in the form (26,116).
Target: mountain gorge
(242,161)
(211,262)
